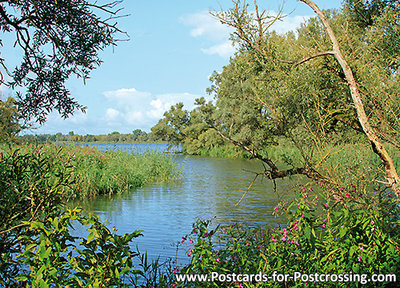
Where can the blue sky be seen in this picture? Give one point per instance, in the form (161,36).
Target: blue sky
(174,47)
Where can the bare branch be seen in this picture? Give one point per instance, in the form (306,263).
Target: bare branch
(313,56)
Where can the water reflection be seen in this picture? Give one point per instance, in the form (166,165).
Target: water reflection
(209,188)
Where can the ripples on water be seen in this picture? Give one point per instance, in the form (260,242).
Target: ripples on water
(209,189)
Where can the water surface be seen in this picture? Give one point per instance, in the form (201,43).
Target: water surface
(210,188)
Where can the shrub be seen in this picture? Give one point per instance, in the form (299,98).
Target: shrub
(344,234)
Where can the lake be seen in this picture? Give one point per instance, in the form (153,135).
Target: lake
(210,188)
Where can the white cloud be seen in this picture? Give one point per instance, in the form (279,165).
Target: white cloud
(211,29)
(112,114)
(136,109)
(79,122)
(225,49)
(207,26)
(288,23)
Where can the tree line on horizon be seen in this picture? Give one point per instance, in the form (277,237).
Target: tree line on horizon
(137,136)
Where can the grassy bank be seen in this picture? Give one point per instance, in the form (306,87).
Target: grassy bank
(96,172)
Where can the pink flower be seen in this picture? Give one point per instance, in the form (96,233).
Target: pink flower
(347,195)
(323,225)
(276,209)
(247,243)
(191,242)
(176,270)
(326,205)
(183,239)
(359,258)
(218,260)
(298,205)
(190,252)
(174,285)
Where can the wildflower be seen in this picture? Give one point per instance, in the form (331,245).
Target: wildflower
(306,196)
(303,189)
(359,258)
(218,260)
(347,195)
(190,252)
(326,204)
(174,285)
(206,234)
(310,189)
(183,239)
(191,241)
(341,188)
(176,270)
(298,206)
(323,225)
(276,209)
(247,243)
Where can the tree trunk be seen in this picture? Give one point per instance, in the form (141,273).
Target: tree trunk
(378,148)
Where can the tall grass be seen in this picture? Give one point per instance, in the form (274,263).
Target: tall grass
(109,172)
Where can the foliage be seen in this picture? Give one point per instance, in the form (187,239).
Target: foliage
(38,247)
(188,129)
(137,136)
(58,39)
(9,124)
(55,257)
(334,235)
(287,88)
(96,172)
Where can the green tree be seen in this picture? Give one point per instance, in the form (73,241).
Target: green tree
(303,82)
(191,130)
(9,120)
(58,39)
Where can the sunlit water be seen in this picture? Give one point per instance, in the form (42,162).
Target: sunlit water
(210,188)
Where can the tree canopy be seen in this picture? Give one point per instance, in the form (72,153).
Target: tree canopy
(295,86)
(58,39)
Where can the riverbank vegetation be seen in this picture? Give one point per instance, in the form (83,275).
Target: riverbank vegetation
(38,247)
(137,136)
(350,240)
(322,102)
(291,91)
(95,172)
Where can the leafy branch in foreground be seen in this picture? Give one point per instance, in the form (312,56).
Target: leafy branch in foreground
(58,39)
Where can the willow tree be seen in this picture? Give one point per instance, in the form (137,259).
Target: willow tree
(337,71)
(56,39)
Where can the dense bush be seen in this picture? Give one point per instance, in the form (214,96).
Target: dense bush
(37,246)
(345,234)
